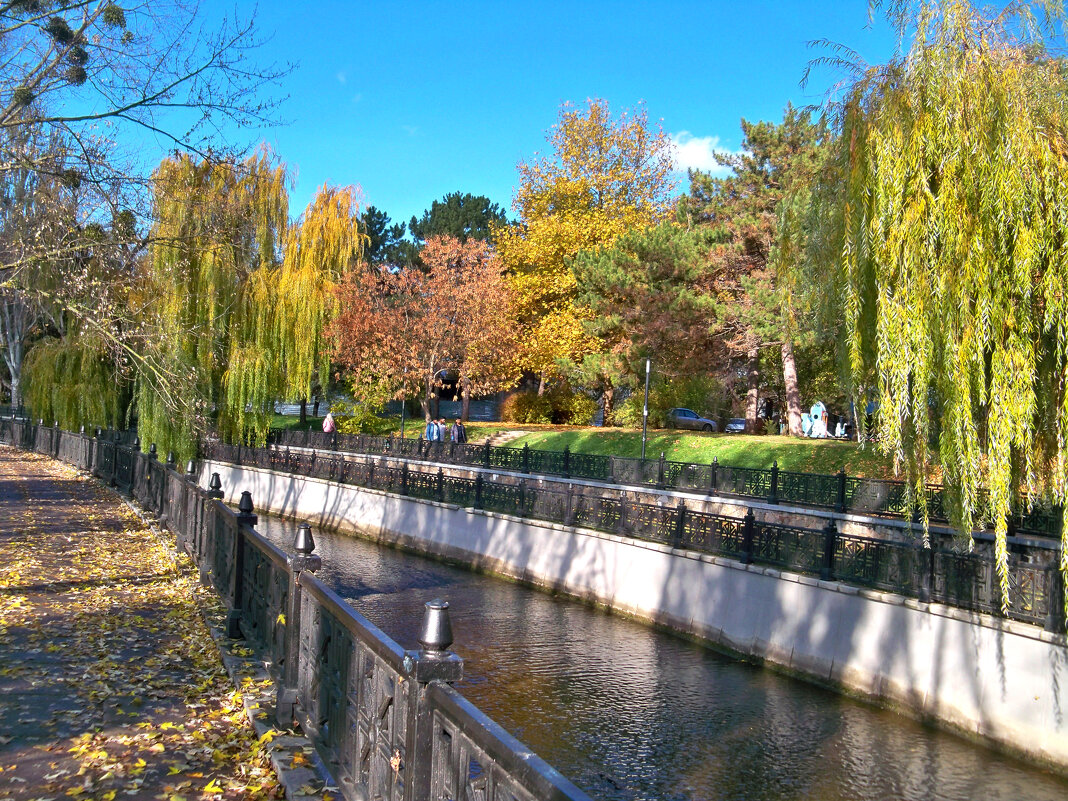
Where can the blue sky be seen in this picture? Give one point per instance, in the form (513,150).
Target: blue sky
(412,100)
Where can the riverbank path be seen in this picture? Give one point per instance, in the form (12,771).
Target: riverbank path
(111,686)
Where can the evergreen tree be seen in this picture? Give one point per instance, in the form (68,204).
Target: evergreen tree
(459,216)
(385,240)
(777,162)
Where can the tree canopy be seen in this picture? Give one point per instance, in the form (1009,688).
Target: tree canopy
(236,298)
(777,163)
(606,176)
(401,331)
(938,234)
(462,217)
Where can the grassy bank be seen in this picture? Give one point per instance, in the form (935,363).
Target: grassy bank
(803,455)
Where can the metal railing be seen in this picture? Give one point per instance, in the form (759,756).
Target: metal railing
(839,492)
(385,719)
(965,580)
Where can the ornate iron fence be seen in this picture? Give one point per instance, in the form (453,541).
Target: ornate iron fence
(840,492)
(385,719)
(963,580)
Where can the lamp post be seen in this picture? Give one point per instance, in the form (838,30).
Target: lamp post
(645,409)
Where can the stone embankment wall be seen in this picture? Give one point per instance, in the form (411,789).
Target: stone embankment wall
(991,679)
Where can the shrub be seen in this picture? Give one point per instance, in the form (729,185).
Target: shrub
(559,404)
(703,394)
(572,408)
(358,418)
(526,407)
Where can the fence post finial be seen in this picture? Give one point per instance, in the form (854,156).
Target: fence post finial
(215,489)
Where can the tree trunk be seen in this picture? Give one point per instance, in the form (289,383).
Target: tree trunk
(465,409)
(793,392)
(541,385)
(752,396)
(303,411)
(609,406)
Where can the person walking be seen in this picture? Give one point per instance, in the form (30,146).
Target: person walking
(458,433)
(431,434)
(442,430)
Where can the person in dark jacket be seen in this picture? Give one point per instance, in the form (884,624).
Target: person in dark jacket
(458,433)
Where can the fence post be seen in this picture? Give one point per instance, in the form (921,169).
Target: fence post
(830,543)
(215,489)
(569,509)
(441,485)
(300,561)
(621,525)
(567,461)
(404,479)
(747,537)
(713,476)
(245,517)
(478,490)
(773,490)
(1055,620)
(927,573)
(333,439)
(526,457)
(486,454)
(433,662)
(680,525)
(660,471)
(842,490)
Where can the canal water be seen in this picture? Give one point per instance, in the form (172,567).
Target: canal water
(628,712)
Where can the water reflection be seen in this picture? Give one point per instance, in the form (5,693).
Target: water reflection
(628,713)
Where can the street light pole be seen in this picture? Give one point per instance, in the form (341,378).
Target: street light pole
(645,409)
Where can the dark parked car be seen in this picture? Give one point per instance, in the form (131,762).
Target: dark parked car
(687,418)
(736,425)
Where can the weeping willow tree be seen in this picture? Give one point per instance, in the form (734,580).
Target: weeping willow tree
(76,381)
(942,222)
(216,226)
(279,347)
(237,297)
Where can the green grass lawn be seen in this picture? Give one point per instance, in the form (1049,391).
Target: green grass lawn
(287,422)
(739,450)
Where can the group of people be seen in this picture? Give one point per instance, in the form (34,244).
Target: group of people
(436,432)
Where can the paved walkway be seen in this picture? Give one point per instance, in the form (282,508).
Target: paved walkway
(110,683)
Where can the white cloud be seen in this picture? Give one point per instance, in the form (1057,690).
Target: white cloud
(698,153)
(342,78)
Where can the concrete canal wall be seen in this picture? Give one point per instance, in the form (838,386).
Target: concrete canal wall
(998,681)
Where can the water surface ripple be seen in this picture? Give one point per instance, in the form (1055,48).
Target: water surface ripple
(629,713)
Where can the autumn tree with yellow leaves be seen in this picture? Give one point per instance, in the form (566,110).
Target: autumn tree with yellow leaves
(938,237)
(606,176)
(235,298)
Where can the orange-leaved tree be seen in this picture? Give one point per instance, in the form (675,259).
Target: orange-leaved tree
(404,331)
